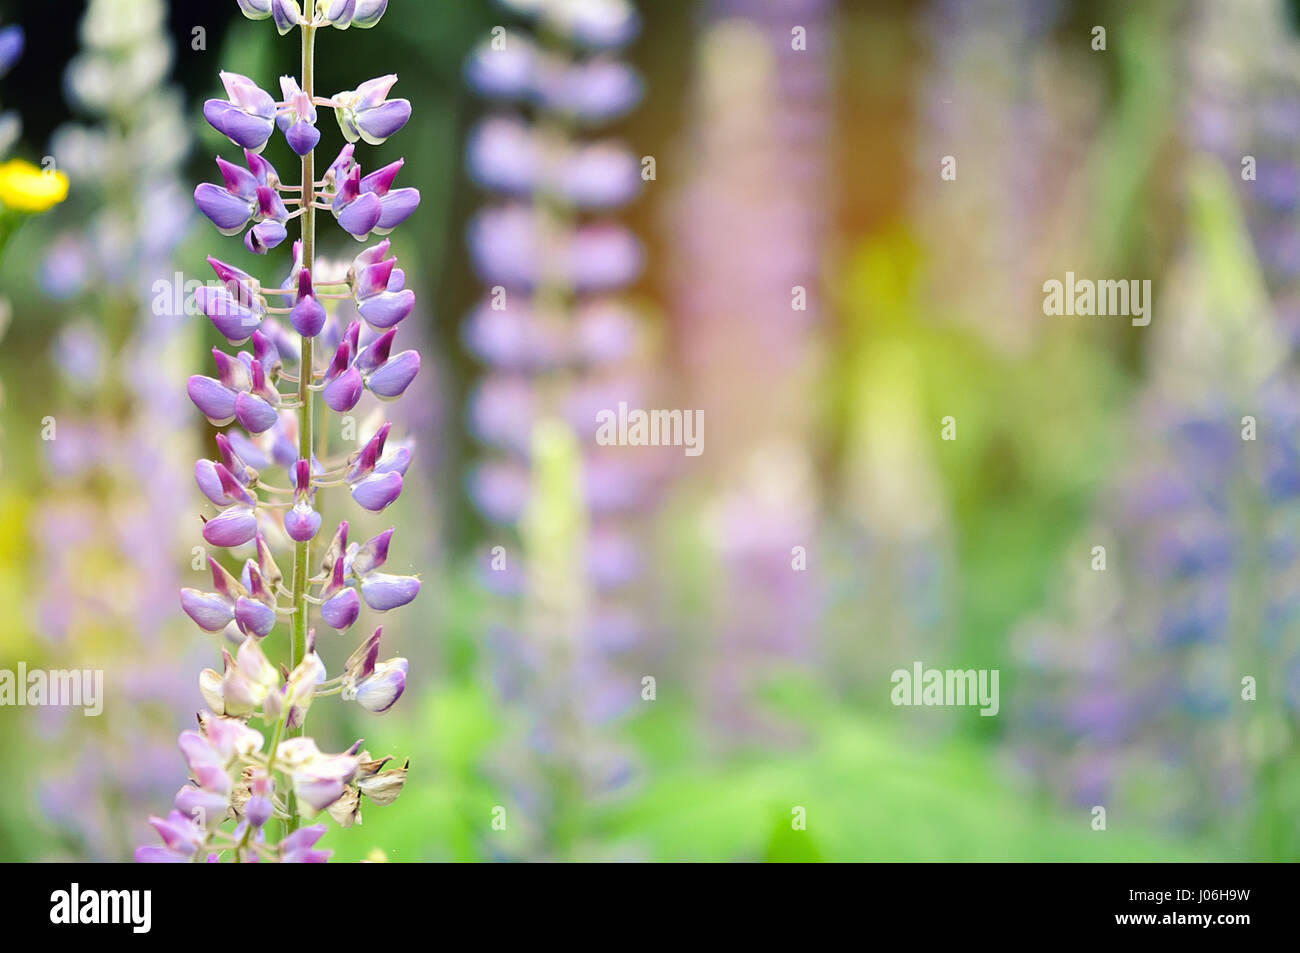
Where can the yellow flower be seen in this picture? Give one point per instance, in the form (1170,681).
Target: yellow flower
(26,188)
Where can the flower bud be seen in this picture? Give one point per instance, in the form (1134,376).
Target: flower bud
(307,315)
(301,522)
(372,554)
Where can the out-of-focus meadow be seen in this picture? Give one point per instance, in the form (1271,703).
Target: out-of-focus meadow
(846,222)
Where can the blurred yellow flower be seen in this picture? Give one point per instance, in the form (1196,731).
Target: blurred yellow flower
(27,188)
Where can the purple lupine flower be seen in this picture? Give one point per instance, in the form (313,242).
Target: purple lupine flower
(359,565)
(343,383)
(247,115)
(379,289)
(395,205)
(380,690)
(341,605)
(301,522)
(357,212)
(308,314)
(375,686)
(213,611)
(234,526)
(246,195)
(297,118)
(367,113)
(232,782)
(255,612)
(384,374)
(235,319)
(375,476)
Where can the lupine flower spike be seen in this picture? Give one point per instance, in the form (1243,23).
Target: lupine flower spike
(555,337)
(248,793)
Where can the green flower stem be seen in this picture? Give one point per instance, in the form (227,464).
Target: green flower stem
(301,551)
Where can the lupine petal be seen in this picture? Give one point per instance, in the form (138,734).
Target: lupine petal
(255,617)
(375,91)
(339,13)
(232,527)
(381,690)
(368,12)
(214,400)
(302,137)
(286,14)
(241,128)
(254,413)
(375,354)
(383,591)
(197,803)
(395,460)
(177,831)
(264,236)
(373,278)
(301,522)
(255,9)
(153,854)
(341,609)
(228,212)
(377,491)
(238,181)
(385,310)
(373,553)
(205,475)
(396,207)
(208,610)
(392,379)
(359,217)
(307,316)
(342,393)
(381,180)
